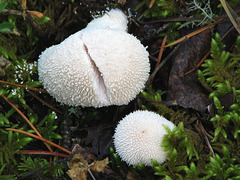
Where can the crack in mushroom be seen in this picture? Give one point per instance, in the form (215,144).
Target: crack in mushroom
(98,80)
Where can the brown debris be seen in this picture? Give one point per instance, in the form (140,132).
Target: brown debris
(183,89)
(80,165)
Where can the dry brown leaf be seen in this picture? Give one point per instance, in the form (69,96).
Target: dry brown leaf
(77,161)
(78,168)
(35,13)
(99,165)
(24,4)
(78,173)
(185,89)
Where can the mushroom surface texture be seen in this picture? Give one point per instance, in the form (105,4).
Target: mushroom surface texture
(101,65)
(138,138)
(115,19)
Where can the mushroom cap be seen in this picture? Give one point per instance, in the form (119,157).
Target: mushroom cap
(138,138)
(114,19)
(95,67)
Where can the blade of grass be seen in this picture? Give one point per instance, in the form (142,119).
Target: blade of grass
(231,15)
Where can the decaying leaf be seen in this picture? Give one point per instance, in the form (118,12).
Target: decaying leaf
(99,165)
(24,4)
(98,139)
(79,173)
(80,150)
(35,13)
(184,90)
(79,166)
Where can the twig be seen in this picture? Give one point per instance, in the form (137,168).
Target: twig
(42,101)
(26,119)
(194,33)
(42,152)
(208,53)
(161,64)
(22,86)
(88,169)
(205,134)
(40,138)
(159,56)
(12,12)
(161,51)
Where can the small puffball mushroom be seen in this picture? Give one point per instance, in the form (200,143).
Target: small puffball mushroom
(138,138)
(100,65)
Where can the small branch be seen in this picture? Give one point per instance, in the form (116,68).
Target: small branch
(161,64)
(205,134)
(26,119)
(40,138)
(22,86)
(12,12)
(45,103)
(43,152)
(159,56)
(208,53)
(88,169)
(194,33)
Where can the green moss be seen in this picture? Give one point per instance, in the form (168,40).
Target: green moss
(189,157)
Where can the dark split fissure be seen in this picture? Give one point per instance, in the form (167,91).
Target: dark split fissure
(98,80)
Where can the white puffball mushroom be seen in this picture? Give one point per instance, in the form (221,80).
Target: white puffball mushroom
(138,138)
(100,65)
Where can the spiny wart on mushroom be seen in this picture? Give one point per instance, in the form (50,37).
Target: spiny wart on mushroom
(100,65)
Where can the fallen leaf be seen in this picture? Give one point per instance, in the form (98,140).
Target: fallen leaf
(183,89)
(78,167)
(36,14)
(79,164)
(79,173)
(98,139)
(24,4)
(84,153)
(99,165)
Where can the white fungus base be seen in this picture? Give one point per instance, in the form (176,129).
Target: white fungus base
(97,66)
(138,138)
